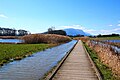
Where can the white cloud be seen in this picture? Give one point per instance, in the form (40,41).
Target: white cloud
(3,16)
(116,29)
(74,26)
(118,25)
(110,25)
(93,31)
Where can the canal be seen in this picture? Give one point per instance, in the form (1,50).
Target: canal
(35,66)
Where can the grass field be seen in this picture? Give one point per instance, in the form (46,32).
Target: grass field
(10,52)
(106,73)
(106,38)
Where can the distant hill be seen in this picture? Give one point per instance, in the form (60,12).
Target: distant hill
(74,32)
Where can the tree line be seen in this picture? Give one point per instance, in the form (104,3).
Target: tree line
(13,32)
(53,31)
(109,35)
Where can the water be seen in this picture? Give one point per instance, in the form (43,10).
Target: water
(11,41)
(116,49)
(34,67)
(116,41)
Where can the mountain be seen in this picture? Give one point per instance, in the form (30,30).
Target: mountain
(74,32)
(88,34)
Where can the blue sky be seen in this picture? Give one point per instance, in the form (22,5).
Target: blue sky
(36,16)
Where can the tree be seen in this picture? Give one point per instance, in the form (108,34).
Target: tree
(51,29)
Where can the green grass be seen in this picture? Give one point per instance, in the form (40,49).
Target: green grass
(106,73)
(10,52)
(106,38)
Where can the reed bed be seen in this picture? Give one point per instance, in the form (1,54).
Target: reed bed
(105,72)
(107,56)
(9,37)
(45,38)
(104,40)
(84,39)
(113,43)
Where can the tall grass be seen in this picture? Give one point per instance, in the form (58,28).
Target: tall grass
(112,43)
(107,56)
(10,37)
(85,39)
(45,38)
(106,38)
(106,73)
(102,39)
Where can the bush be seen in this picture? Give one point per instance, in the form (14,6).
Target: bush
(45,38)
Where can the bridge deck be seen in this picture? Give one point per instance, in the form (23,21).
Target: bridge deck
(77,66)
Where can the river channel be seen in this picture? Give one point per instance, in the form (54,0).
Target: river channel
(34,67)
(11,41)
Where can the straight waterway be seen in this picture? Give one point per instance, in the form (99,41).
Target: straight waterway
(34,67)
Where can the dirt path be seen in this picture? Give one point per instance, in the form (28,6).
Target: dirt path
(77,66)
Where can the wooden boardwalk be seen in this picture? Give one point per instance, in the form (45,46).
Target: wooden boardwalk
(77,66)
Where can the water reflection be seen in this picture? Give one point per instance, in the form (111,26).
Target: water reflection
(116,49)
(34,67)
(115,41)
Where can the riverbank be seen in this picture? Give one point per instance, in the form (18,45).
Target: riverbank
(10,37)
(105,38)
(37,65)
(11,52)
(115,41)
(106,60)
(31,43)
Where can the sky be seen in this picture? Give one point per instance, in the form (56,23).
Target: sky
(92,16)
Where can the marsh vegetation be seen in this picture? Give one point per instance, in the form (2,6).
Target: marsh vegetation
(45,38)
(10,52)
(106,57)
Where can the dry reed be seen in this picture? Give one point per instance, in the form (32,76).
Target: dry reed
(107,56)
(45,38)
